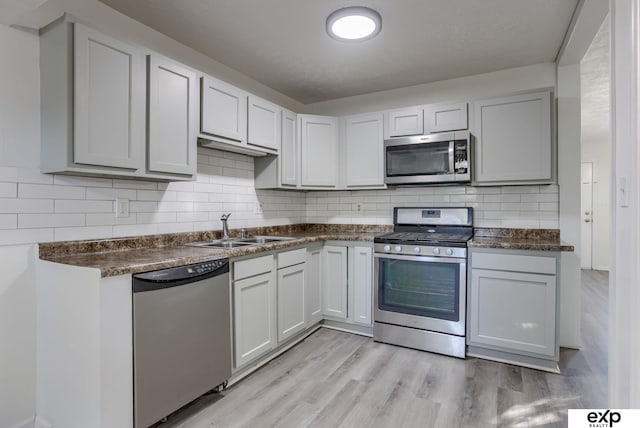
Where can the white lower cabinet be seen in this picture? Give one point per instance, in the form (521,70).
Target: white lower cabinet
(254,308)
(334,281)
(512,306)
(313,286)
(361,281)
(291,294)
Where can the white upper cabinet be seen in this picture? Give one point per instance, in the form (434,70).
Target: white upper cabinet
(224,111)
(264,123)
(513,142)
(289,153)
(318,144)
(400,123)
(173,117)
(108,112)
(443,118)
(109,96)
(363,157)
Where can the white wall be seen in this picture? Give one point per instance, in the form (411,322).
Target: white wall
(597,152)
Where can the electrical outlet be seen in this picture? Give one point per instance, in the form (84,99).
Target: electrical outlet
(258,208)
(122,207)
(358,207)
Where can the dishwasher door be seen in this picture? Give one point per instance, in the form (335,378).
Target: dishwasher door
(181,335)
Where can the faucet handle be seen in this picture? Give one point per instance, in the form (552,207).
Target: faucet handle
(225,216)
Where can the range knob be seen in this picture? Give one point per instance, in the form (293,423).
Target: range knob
(436,251)
(449,251)
(387,247)
(398,248)
(416,249)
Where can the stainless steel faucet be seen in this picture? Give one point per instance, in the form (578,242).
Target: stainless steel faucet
(225,226)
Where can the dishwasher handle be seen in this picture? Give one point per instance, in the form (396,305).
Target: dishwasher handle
(182,275)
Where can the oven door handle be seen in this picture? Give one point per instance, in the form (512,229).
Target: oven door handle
(420,258)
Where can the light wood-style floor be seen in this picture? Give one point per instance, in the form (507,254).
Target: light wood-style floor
(336,379)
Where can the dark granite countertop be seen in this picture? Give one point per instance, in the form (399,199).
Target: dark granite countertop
(519,239)
(146,253)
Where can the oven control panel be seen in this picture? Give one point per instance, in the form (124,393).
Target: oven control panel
(421,250)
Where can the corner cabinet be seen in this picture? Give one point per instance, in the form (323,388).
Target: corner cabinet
(334,280)
(318,149)
(313,286)
(172,117)
(95,105)
(513,140)
(524,331)
(362,151)
(281,171)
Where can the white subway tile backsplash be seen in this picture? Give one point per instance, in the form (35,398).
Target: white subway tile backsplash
(25,236)
(76,206)
(8,221)
(50,191)
(99,219)
(30,221)
(78,233)
(8,190)
(26,206)
(37,207)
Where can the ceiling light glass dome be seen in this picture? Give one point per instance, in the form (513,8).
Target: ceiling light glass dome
(354,24)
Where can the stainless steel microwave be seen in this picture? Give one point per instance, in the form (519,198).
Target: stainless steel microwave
(428,159)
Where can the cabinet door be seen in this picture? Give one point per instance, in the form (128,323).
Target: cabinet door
(404,122)
(291,301)
(526,323)
(173,117)
(334,281)
(224,110)
(513,139)
(109,101)
(361,279)
(289,151)
(364,153)
(254,317)
(441,118)
(264,123)
(318,140)
(313,286)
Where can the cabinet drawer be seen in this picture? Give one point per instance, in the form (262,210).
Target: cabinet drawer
(252,267)
(516,263)
(293,257)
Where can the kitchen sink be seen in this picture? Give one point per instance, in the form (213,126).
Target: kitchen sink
(235,243)
(265,239)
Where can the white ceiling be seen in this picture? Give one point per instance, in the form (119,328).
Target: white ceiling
(594,76)
(283,43)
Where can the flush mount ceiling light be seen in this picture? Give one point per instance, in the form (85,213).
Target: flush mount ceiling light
(354,24)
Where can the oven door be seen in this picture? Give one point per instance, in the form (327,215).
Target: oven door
(427,293)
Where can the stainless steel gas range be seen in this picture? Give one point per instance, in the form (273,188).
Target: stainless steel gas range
(420,280)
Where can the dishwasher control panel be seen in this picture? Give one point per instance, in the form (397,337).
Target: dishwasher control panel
(182,273)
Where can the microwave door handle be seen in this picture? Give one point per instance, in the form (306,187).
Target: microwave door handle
(451,157)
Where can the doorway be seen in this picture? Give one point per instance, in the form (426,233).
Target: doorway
(586,215)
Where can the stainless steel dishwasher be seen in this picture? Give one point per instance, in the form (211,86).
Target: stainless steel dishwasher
(181,337)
